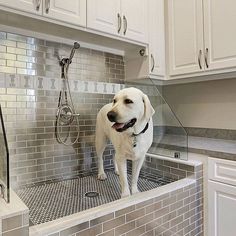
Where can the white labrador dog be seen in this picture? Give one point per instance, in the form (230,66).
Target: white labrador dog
(127,122)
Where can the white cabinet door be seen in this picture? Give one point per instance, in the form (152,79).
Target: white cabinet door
(73,11)
(220,33)
(156,37)
(103,15)
(221,209)
(185,32)
(135,19)
(32,6)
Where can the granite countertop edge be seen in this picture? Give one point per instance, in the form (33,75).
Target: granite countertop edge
(216,148)
(214,154)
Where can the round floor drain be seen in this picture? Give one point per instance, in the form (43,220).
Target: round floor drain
(91,194)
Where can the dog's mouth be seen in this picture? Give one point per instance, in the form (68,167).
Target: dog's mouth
(120,127)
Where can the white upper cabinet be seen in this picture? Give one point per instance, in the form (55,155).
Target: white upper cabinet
(185,22)
(73,11)
(197,45)
(32,6)
(135,19)
(220,33)
(104,15)
(156,38)
(152,62)
(128,19)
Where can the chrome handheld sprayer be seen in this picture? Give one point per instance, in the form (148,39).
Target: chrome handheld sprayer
(66,111)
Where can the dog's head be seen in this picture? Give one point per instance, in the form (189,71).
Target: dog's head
(130,106)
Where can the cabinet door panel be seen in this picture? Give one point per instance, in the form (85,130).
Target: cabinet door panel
(23,5)
(136,14)
(220,33)
(156,37)
(221,209)
(185,32)
(102,15)
(222,170)
(73,11)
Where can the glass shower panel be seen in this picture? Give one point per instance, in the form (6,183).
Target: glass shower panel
(4,162)
(169,137)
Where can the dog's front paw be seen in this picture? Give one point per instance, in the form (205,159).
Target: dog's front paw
(123,195)
(116,172)
(102,176)
(134,190)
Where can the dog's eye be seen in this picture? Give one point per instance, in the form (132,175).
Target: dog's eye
(114,101)
(128,101)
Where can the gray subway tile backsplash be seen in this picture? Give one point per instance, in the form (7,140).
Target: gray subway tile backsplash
(19,232)
(11,223)
(30,85)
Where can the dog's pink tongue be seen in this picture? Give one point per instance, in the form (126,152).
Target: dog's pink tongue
(118,125)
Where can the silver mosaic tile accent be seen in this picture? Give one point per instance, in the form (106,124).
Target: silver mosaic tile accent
(54,200)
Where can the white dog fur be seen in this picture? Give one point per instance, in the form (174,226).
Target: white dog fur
(128,104)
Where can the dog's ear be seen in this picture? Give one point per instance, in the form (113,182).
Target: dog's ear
(148,109)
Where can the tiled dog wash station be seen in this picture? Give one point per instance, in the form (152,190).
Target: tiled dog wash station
(54,187)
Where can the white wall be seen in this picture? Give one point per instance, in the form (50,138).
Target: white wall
(210,104)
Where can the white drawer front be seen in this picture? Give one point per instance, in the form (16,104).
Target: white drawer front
(222,170)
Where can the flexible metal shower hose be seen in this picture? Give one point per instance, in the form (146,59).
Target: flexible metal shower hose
(60,108)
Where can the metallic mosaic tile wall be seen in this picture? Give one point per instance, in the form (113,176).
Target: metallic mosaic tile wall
(29,89)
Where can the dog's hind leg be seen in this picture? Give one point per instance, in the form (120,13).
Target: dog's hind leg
(136,167)
(100,144)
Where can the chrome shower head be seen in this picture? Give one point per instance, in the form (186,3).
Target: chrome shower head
(76,46)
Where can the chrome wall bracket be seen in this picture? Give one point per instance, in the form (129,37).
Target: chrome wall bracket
(177,155)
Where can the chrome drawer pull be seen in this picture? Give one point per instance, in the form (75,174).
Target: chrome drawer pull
(119,22)
(125,24)
(199,59)
(206,58)
(38,3)
(153,63)
(47,6)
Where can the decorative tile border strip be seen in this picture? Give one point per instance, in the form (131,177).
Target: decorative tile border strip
(22,81)
(56,84)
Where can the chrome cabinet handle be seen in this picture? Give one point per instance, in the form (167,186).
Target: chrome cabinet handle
(199,59)
(153,62)
(47,6)
(119,23)
(125,24)
(206,57)
(38,3)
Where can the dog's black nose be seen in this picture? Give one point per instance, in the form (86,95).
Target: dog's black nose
(111,116)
